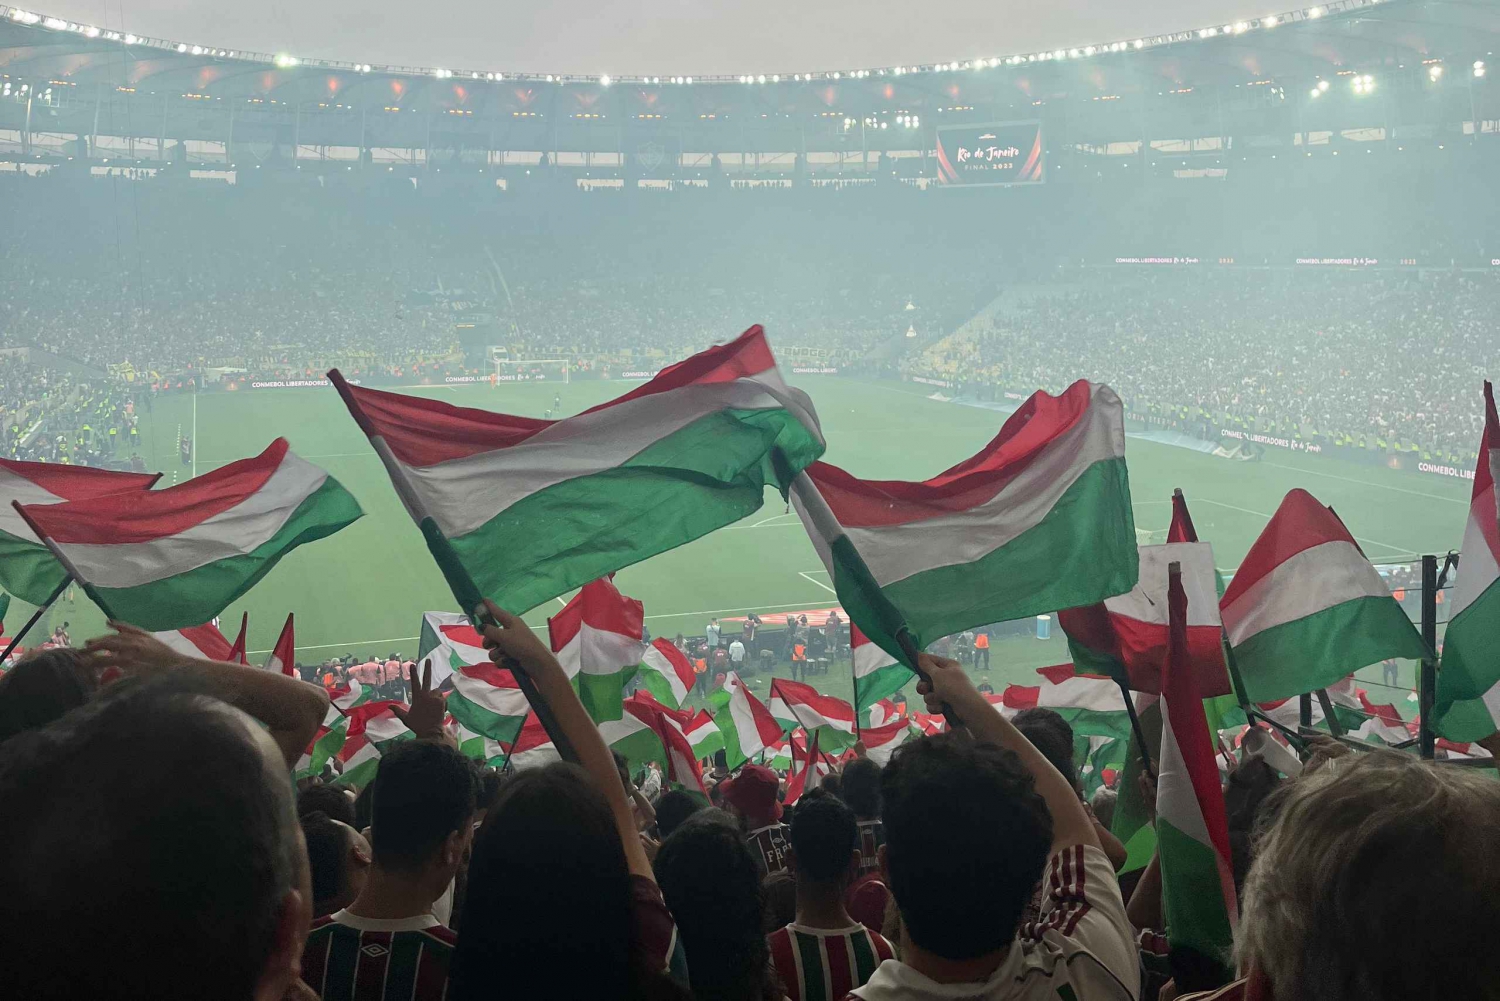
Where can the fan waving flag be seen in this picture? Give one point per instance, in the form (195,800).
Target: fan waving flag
(1038,520)
(1198,898)
(598,641)
(1306,608)
(666,673)
(164,559)
(523,510)
(747,725)
(1125,637)
(284,656)
(1468,683)
(28,569)
(795,705)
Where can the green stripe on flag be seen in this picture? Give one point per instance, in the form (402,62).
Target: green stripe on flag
(880,683)
(1470,666)
(484,721)
(711,473)
(1197,919)
(28,569)
(1321,649)
(603,695)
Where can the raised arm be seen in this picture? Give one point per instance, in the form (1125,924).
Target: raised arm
(514,639)
(291,709)
(1071,824)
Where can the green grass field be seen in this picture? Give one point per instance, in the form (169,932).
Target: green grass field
(364,590)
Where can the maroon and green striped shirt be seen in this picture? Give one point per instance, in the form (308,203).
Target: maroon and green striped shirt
(821,964)
(353,958)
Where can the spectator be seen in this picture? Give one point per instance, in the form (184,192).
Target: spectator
(947,801)
(424,798)
(1050,734)
(42,687)
(1325,918)
(737,655)
(825,953)
(674,807)
(711,635)
(752,796)
(711,881)
(861,790)
(338,859)
(332,801)
(183,872)
(562,839)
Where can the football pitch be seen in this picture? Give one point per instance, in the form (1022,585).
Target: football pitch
(363,591)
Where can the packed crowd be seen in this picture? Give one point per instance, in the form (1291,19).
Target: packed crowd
(149,815)
(1363,360)
(50,414)
(162,282)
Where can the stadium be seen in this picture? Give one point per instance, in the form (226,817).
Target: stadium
(1276,239)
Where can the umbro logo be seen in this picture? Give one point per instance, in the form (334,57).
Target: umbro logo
(374,950)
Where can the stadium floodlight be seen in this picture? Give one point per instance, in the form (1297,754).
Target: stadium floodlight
(1479,67)
(1315,92)
(1322,84)
(604,80)
(1140,43)
(1269,22)
(1315,12)
(181,47)
(689,79)
(1240,26)
(1435,72)
(285,61)
(131,39)
(761,78)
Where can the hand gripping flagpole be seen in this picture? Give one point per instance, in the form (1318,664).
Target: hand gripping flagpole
(470,598)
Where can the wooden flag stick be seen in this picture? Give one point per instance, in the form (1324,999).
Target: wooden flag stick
(1135,728)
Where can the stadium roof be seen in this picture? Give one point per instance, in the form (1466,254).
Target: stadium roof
(1259,66)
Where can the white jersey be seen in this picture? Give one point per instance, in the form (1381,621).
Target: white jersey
(1081,946)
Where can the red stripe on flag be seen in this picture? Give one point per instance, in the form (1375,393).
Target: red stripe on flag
(465,635)
(490,674)
(795,693)
(73,483)
(1300,523)
(602,606)
(870,503)
(677,659)
(149,515)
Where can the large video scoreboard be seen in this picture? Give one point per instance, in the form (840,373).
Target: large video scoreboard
(998,153)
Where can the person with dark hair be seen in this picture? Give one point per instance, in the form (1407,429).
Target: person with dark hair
(422,817)
(710,879)
(561,901)
(674,807)
(44,686)
(824,953)
(974,819)
(338,862)
(132,868)
(867,897)
(1052,735)
(330,800)
(753,797)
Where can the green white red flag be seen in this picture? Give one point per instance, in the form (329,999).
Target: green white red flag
(326,742)
(747,725)
(28,569)
(599,641)
(450,642)
(1198,897)
(487,700)
(204,642)
(1468,682)
(1038,520)
(284,654)
(524,510)
(1125,637)
(237,648)
(1305,608)
(806,775)
(696,726)
(876,673)
(666,673)
(795,705)
(1091,704)
(164,559)
(881,741)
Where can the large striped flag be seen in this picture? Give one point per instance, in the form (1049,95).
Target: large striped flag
(450,642)
(1125,636)
(1198,898)
(28,569)
(747,725)
(697,727)
(1092,704)
(666,673)
(205,642)
(1468,682)
(795,705)
(164,559)
(598,639)
(523,510)
(1038,520)
(1306,608)
(876,673)
(677,753)
(807,777)
(284,655)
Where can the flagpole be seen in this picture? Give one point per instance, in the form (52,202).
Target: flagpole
(1135,727)
(854,692)
(1179,507)
(35,617)
(62,558)
(470,598)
